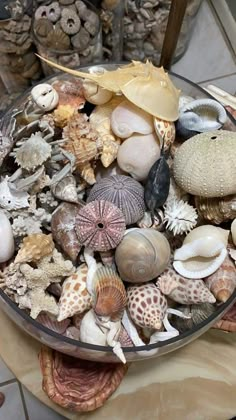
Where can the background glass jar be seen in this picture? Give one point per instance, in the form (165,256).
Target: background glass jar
(67,32)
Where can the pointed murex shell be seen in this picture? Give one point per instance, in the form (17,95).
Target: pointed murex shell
(202,115)
(202,252)
(34,247)
(10,198)
(216,210)
(45,96)
(127,119)
(205,164)
(142,255)
(110,300)
(33,153)
(7,246)
(75,298)
(223,282)
(66,190)
(233,231)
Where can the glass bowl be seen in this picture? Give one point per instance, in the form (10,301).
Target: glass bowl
(101,353)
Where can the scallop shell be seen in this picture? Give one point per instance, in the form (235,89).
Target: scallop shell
(100,225)
(75,298)
(202,115)
(58,40)
(63,229)
(45,96)
(199,313)
(7,246)
(228,322)
(42,27)
(123,191)
(202,252)
(33,153)
(147,306)
(66,189)
(34,247)
(127,119)
(205,164)
(10,198)
(223,282)
(51,322)
(165,130)
(142,255)
(110,294)
(182,290)
(233,231)
(216,210)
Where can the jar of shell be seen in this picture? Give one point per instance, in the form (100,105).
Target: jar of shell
(142,25)
(67,32)
(19,65)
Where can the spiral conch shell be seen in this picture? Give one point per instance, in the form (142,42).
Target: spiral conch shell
(34,247)
(142,255)
(223,282)
(205,164)
(216,210)
(202,252)
(65,189)
(110,294)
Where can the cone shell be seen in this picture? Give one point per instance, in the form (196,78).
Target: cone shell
(34,247)
(63,229)
(142,255)
(216,210)
(66,189)
(75,298)
(205,164)
(110,294)
(222,283)
(147,306)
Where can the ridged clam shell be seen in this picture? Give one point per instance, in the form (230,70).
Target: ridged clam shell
(123,191)
(223,282)
(110,294)
(216,210)
(228,322)
(34,247)
(10,198)
(182,290)
(33,153)
(63,229)
(51,322)
(142,255)
(58,40)
(199,313)
(205,164)
(100,225)
(66,189)
(147,306)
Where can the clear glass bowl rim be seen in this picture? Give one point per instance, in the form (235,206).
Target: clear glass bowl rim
(88,346)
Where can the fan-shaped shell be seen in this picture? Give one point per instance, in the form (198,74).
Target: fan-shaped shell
(233,231)
(142,255)
(100,225)
(127,119)
(66,189)
(110,300)
(63,229)
(51,322)
(45,96)
(223,282)
(10,198)
(216,210)
(123,191)
(33,153)
(147,306)
(34,247)
(58,40)
(205,164)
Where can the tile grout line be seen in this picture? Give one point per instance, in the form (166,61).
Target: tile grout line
(10,381)
(23,401)
(216,78)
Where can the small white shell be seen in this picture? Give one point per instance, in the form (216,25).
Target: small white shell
(202,115)
(45,96)
(95,94)
(7,241)
(10,198)
(233,231)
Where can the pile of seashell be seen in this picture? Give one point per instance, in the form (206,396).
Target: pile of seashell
(67,26)
(110,217)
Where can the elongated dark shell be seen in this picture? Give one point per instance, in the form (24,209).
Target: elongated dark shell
(158,184)
(123,191)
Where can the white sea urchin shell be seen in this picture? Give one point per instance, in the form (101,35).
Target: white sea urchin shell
(179,216)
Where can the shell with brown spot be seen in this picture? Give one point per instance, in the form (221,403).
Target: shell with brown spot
(34,247)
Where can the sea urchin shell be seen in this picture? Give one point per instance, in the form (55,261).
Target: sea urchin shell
(100,225)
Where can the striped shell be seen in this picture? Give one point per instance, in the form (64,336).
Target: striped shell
(58,40)
(110,294)
(205,164)
(34,247)
(65,189)
(216,210)
(182,290)
(223,282)
(75,297)
(33,153)
(147,306)
(100,225)
(51,322)
(199,313)
(228,322)
(123,191)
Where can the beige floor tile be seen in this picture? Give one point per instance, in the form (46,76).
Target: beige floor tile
(5,373)
(37,410)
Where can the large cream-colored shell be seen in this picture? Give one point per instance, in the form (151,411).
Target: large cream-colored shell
(205,164)
(216,210)
(34,247)
(142,255)
(7,245)
(208,231)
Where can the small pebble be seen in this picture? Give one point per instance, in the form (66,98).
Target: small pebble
(2,399)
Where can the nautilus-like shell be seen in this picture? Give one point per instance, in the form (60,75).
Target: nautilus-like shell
(205,164)
(142,255)
(45,96)
(7,246)
(123,191)
(233,231)
(65,189)
(34,247)
(223,282)
(216,210)
(33,152)
(202,253)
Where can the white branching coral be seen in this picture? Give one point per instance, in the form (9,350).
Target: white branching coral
(48,199)
(179,216)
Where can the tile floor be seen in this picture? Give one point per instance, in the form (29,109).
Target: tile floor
(209,59)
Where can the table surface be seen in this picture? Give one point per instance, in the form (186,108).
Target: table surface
(196,382)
